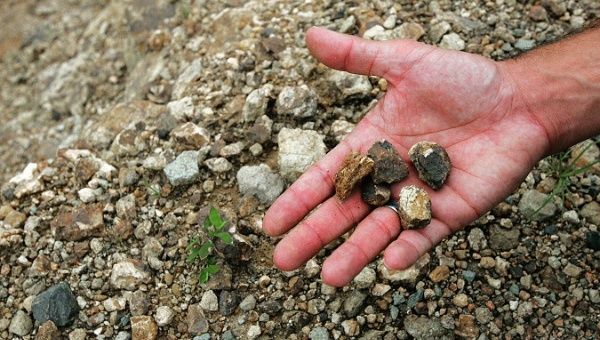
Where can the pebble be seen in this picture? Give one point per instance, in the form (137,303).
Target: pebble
(184,169)
(351,327)
(248,303)
(48,331)
(254,332)
(460,300)
(191,135)
(414,207)
(354,168)
(299,101)
(20,324)
(504,239)
(353,303)
(350,85)
(452,41)
(365,279)
(341,128)
(318,333)
(571,216)
(228,301)
(432,163)
(143,327)
(388,167)
(260,181)
(196,322)
(525,44)
(209,301)
(591,213)
(182,109)
(256,103)
(532,201)
(218,164)
(58,304)
(422,327)
(437,31)
(298,150)
(572,270)
(408,275)
(164,316)
(467,328)
(410,30)
(128,275)
(477,240)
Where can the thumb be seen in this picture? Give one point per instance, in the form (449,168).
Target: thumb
(353,54)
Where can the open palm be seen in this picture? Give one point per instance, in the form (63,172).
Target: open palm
(466,103)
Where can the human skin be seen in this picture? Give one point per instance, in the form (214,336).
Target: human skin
(495,119)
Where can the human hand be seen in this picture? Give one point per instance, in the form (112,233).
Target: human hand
(467,103)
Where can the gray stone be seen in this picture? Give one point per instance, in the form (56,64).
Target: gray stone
(557,7)
(504,239)
(422,327)
(591,212)
(138,303)
(188,75)
(452,41)
(182,109)
(350,85)
(351,327)
(524,44)
(365,278)
(248,304)
(20,324)
(299,101)
(123,335)
(256,103)
(163,316)
(218,164)
(572,270)
(184,169)
(261,182)
(477,240)
(353,303)
(57,303)
(298,150)
(536,205)
(318,333)
(209,301)
(341,128)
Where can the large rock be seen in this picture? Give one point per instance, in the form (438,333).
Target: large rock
(536,205)
(58,304)
(299,101)
(128,275)
(184,169)
(260,181)
(503,239)
(81,223)
(298,150)
(196,321)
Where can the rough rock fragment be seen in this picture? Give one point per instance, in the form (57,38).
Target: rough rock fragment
(81,223)
(191,135)
(143,327)
(298,150)
(300,101)
(374,194)
(414,207)
(354,169)
(260,181)
(128,275)
(184,169)
(58,304)
(432,163)
(389,166)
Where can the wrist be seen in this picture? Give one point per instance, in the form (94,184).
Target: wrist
(560,88)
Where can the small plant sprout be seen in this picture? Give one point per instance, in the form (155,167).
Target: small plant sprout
(206,252)
(559,167)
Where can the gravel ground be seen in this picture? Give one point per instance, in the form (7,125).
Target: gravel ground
(123,122)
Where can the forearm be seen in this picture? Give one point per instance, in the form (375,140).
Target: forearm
(559,84)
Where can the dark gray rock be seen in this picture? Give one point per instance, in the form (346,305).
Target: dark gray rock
(389,166)
(374,194)
(228,301)
(432,163)
(422,327)
(57,303)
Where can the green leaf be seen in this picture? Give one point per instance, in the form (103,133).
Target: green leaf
(212,269)
(192,243)
(225,237)
(192,256)
(215,218)
(204,250)
(206,223)
(204,276)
